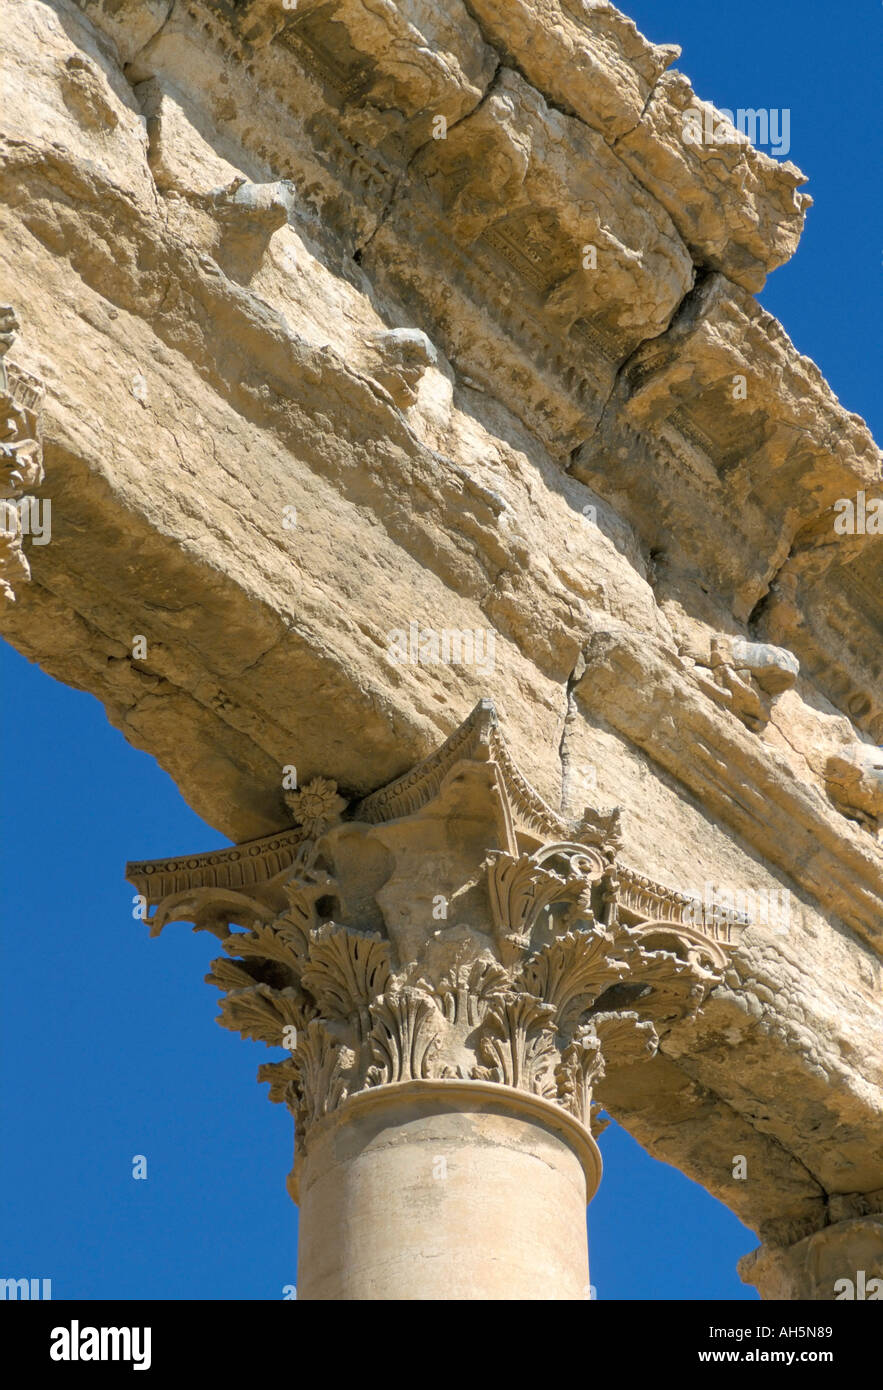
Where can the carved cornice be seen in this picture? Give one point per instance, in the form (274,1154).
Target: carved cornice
(198,887)
(640,899)
(428,937)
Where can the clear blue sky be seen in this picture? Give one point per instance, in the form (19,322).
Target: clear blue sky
(108,1044)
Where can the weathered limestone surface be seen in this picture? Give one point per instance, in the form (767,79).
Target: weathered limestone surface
(812,1267)
(467,1230)
(736,208)
(309,373)
(21,468)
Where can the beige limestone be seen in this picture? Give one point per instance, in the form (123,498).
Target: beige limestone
(736,208)
(21,467)
(249,279)
(843,1263)
(426,1195)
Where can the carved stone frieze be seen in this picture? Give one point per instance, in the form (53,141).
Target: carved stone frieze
(449,927)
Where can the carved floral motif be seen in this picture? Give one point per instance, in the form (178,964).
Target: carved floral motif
(405,1037)
(517,1043)
(316,806)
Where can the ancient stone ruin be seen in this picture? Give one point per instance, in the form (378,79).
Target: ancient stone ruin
(432,498)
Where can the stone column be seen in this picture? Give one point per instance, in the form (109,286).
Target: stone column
(450,966)
(445,1189)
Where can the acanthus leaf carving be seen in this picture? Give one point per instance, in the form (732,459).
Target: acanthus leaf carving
(301,914)
(581,1065)
(567,963)
(213,910)
(320,1065)
(230,974)
(608,1039)
(519,890)
(468,988)
(262,1013)
(405,1037)
(346,971)
(522,888)
(693,947)
(624,1038)
(516,1043)
(269,941)
(572,972)
(283,1078)
(675,986)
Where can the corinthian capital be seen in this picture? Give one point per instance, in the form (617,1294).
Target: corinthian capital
(449,929)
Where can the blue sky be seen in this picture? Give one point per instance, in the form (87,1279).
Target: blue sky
(821,62)
(108,1045)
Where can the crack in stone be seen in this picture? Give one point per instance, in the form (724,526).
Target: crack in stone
(156,33)
(512,63)
(700,276)
(650,95)
(402,180)
(571,713)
